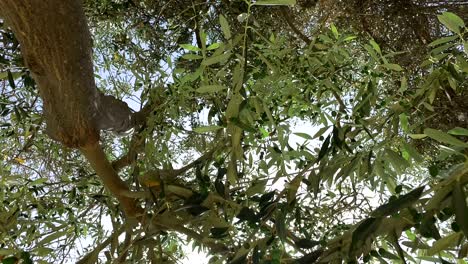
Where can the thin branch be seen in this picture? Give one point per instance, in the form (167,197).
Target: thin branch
(289,19)
(92,256)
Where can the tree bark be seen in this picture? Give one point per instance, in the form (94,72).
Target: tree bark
(56,45)
(57,48)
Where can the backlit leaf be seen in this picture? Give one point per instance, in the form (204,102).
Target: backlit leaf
(444,243)
(205,129)
(458,131)
(225,27)
(451,21)
(190,47)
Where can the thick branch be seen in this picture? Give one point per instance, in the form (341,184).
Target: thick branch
(56,45)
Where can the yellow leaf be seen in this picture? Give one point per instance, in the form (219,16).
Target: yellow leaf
(19,160)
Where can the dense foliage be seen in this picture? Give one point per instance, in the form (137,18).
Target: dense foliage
(320,140)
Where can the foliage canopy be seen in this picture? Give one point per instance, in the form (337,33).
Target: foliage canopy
(319,140)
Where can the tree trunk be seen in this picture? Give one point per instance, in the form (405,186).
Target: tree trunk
(56,45)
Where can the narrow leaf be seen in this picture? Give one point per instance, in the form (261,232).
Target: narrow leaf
(402,202)
(216,59)
(280,225)
(444,243)
(460,207)
(205,129)
(189,47)
(442,40)
(444,137)
(191,56)
(404,122)
(275,2)
(417,136)
(459,131)
(11,80)
(303,135)
(225,27)
(52,237)
(210,88)
(324,148)
(214,46)
(375,46)
(451,21)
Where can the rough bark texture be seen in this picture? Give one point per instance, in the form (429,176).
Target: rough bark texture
(56,44)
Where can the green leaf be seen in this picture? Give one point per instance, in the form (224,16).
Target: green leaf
(275,2)
(403,84)
(42,251)
(264,133)
(404,122)
(451,21)
(11,80)
(428,107)
(412,152)
(192,56)
(364,231)
(210,88)
(417,136)
(190,47)
(240,124)
(375,46)
(10,260)
(216,59)
(460,207)
(334,30)
(3,75)
(26,257)
(349,38)
(444,243)
(398,163)
(225,27)
(280,224)
(38,181)
(52,237)
(388,255)
(444,137)
(258,187)
(442,40)
(205,129)
(458,131)
(392,66)
(439,51)
(214,46)
(303,135)
(396,205)
(6,251)
(324,149)
(321,131)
